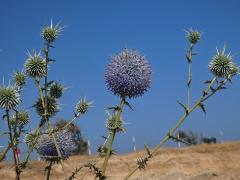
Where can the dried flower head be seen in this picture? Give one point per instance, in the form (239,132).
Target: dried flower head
(46,148)
(83,105)
(128,74)
(19,78)
(52,107)
(56,90)
(222,65)
(193,36)
(50,33)
(9,97)
(35,65)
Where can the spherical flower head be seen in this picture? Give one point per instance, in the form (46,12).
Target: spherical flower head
(46,148)
(50,33)
(56,90)
(31,137)
(52,107)
(35,65)
(128,74)
(193,36)
(83,106)
(19,78)
(9,97)
(222,65)
(21,118)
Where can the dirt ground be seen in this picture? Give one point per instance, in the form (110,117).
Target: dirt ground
(202,162)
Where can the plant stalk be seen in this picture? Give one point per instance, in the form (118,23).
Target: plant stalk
(181,120)
(13,146)
(112,136)
(189,74)
(49,168)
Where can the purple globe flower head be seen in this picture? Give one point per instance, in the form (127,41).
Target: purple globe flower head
(46,148)
(128,74)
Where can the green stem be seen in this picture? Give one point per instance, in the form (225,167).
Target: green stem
(4,153)
(56,145)
(70,122)
(189,85)
(189,74)
(112,136)
(13,146)
(46,81)
(181,120)
(15,134)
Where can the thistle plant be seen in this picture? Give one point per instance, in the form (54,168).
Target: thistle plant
(223,69)
(9,101)
(128,75)
(53,144)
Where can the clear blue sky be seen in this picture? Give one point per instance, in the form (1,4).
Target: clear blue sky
(97,29)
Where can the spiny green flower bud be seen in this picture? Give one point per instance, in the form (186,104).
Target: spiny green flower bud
(50,33)
(35,65)
(9,97)
(19,78)
(56,90)
(22,117)
(193,36)
(30,138)
(52,107)
(83,105)
(222,65)
(235,70)
(114,124)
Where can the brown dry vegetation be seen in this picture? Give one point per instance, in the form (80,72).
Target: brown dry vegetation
(202,162)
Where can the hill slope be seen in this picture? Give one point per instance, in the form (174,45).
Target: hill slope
(202,162)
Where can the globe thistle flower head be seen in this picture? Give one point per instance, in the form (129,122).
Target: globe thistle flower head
(21,118)
(222,65)
(19,78)
(56,90)
(31,137)
(9,97)
(113,123)
(46,147)
(35,65)
(51,33)
(52,107)
(128,74)
(193,36)
(83,106)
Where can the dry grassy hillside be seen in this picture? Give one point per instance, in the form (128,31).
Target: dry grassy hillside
(202,162)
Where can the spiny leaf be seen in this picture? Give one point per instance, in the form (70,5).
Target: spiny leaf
(202,106)
(207,82)
(4,116)
(129,105)
(148,150)
(212,89)
(204,93)
(188,58)
(221,87)
(189,82)
(50,83)
(183,106)
(104,137)
(115,108)
(51,60)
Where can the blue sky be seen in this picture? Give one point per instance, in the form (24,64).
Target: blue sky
(98,29)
